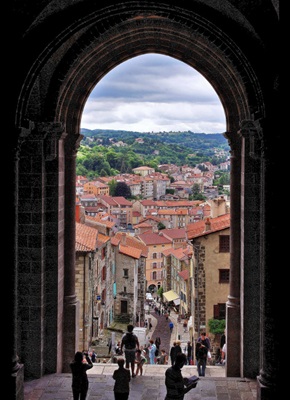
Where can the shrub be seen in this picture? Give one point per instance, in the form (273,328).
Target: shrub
(217,325)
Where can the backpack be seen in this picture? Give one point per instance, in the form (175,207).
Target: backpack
(129,341)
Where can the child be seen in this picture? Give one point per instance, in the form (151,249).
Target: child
(122,378)
(163,359)
(140,361)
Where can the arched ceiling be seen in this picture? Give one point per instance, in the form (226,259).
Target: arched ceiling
(84,50)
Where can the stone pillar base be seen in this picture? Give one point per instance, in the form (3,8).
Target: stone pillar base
(266,392)
(233,338)
(71,331)
(16,390)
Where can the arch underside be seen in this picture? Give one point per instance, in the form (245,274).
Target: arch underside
(77,63)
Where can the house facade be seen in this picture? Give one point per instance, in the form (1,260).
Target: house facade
(210,239)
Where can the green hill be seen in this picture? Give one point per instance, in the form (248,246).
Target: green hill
(107,152)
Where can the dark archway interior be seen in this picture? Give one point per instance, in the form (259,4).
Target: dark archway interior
(64,52)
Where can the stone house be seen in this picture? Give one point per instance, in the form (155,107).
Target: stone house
(210,239)
(129,284)
(156,244)
(85,269)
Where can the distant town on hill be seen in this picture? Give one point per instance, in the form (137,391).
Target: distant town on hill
(109,152)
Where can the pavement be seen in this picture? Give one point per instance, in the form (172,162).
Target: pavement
(151,385)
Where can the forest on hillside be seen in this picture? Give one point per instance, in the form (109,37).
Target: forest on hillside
(109,152)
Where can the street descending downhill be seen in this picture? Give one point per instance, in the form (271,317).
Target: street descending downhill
(151,385)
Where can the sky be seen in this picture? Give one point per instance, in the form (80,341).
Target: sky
(154,93)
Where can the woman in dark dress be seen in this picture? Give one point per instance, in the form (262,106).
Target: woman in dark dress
(80,382)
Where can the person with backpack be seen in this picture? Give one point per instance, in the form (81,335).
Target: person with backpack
(130,343)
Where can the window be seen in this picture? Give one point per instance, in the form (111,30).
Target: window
(103,253)
(154,275)
(125,289)
(154,265)
(224,276)
(219,311)
(124,306)
(154,255)
(224,243)
(125,273)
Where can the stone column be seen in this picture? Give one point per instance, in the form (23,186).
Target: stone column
(269,380)
(251,206)
(16,369)
(31,252)
(71,306)
(233,311)
(54,135)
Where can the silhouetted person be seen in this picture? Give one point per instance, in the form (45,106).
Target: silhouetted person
(80,382)
(131,343)
(176,385)
(122,378)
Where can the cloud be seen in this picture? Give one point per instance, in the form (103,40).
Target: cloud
(152,93)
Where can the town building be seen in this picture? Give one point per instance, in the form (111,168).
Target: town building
(210,239)
(129,284)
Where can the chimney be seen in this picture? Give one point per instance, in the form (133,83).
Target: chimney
(77,212)
(207,225)
(155,229)
(80,213)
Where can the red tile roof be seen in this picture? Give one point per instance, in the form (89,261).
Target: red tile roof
(131,242)
(176,233)
(184,274)
(151,238)
(216,224)
(86,238)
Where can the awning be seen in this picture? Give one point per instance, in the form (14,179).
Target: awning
(170,295)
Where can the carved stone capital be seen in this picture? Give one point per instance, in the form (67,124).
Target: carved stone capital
(252,131)
(51,132)
(234,142)
(21,136)
(72,144)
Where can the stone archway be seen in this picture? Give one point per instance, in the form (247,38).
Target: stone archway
(57,81)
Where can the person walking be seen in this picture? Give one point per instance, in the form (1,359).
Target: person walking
(171,325)
(80,382)
(189,353)
(201,356)
(157,344)
(206,342)
(177,347)
(122,378)
(93,356)
(130,343)
(152,349)
(224,354)
(176,384)
(172,353)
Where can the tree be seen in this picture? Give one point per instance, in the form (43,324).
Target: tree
(122,189)
(112,185)
(160,292)
(196,193)
(161,226)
